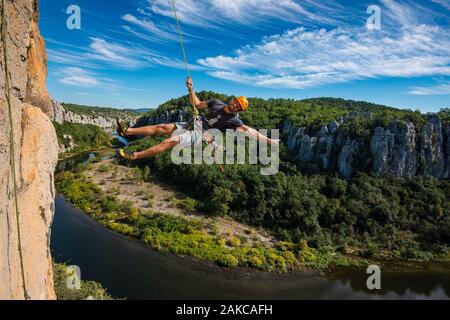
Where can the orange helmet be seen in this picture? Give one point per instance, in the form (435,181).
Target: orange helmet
(243,102)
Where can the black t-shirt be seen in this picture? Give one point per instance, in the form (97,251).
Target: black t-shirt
(217,118)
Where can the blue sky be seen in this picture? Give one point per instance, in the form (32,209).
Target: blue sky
(127,53)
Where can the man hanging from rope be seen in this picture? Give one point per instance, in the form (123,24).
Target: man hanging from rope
(220,116)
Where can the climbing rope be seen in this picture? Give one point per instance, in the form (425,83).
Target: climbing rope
(12,149)
(195,113)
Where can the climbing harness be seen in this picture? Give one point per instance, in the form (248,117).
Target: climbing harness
(3,33)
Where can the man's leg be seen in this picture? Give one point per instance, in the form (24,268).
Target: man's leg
(160,148)
(157,130)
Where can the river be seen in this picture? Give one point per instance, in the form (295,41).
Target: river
(130,270)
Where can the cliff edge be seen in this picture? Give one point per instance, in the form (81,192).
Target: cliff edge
(28,156)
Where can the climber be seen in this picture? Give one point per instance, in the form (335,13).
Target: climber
(220,116)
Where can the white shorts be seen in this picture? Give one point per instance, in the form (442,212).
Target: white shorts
(188,138)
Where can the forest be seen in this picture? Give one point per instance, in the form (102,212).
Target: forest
(409,217)
(406,217)
(84,136)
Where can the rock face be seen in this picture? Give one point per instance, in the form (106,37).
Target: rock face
(432,156)
(61,115)
(447,150)
(37,94)
(28,156)
(394,150)
(166,117)
(398,150)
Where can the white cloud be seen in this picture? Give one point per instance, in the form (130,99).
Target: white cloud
(302,58)
(142,36)
(150,27)
(114,53)
(439,89)
(212,13)
(77,77)
(444,3)
(101,52)
(171,63)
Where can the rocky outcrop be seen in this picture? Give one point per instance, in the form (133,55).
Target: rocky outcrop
(164,117)
(394,150)
(36,93)
(61,115)
(432,155)
(447,150)
(28,156)
(346,159)
(399,150)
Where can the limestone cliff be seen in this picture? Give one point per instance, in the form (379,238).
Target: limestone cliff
(102,120)
(399,150)
(165,117)
(28,156)
(62,115)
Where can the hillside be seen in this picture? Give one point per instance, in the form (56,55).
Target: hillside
(106,112)
(342,136)
(272,112)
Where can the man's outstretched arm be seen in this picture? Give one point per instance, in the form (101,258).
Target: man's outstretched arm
(257,135)
(200,105)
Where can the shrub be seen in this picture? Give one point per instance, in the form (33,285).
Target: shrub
(109,204)
(275,260)
(146,173)
(121,228)
(220,242)
(234,242)
(306,254)
(289,257)
(228,260)
(115,190)
(187,204)
(138,174)
(285,246)
(133,214)
(103,168)
(257,262)
(127,207)
(371,250)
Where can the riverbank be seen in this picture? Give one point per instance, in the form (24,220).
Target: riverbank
(128,268)
(133,202)
(136,204)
